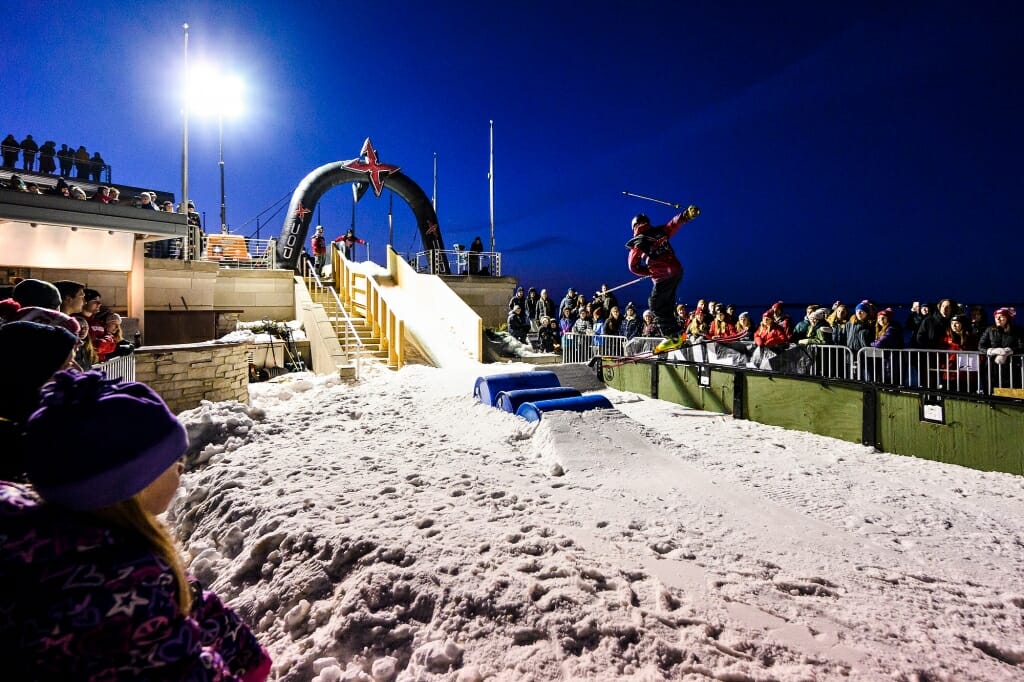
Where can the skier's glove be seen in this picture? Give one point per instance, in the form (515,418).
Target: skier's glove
(691,212)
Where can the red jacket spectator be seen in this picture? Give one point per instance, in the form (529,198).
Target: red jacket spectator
(770,334)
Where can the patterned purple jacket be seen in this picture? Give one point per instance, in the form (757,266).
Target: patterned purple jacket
(80,601)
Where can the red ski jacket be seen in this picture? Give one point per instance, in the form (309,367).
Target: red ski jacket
(651,253)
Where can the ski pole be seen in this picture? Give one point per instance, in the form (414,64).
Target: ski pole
(630,283)
(657,201)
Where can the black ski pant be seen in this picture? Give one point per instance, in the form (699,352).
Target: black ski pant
(663,304)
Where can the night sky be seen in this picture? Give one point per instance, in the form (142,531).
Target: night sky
(837,150)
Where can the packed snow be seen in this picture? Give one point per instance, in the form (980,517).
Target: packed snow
(396,529)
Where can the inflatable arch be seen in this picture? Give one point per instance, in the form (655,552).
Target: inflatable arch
(368,172)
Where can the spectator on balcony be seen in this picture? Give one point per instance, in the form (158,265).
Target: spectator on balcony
(94,312)
(46,155)
(631,324)
(933,328)
(839,316)
(9,149)
(531,307)
(566,321)
(819,332)
(348,242)
(29,149)
(518,324)
(888,333)
(1003,334)
(115,195)
(583,324)
(36,293)
(545,304)
(85,352)
(146,202)
(804,325)
(613,325)
(17,184)
(770,333)
(978,322)
(859,331)
(744,327)
(682,316)
(607,297)
(784,321)
(33,353)
(66,159)
(96,165)
(597,322)
(102,195)
(72,295)
(83,163)
(699,322)
(78,193)
(914,319)
(649,326)
(517,299)
(720,328)
(960,335)
(92,512)
(475,249)
(569,301)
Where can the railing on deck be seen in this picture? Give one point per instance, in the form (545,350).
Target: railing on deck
(351,344)
(122,367)
(236,251)
(458,262)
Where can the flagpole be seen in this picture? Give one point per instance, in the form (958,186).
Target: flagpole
(490,176)
(391,225)
(434,199)
(184,152)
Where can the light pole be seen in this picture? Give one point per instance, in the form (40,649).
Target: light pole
(220,148)
(223,94)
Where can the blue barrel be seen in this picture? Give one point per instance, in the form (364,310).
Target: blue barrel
(487,389)
(509,401)
(532,412)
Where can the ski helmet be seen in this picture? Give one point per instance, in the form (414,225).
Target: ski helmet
(639,219)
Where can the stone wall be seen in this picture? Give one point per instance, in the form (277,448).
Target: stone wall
(258,294)
(184,375)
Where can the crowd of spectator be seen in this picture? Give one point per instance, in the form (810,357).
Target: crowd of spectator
(947,325)
(86,466)
(86,167)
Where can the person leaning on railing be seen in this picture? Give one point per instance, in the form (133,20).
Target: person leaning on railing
(1003,338)
(888,333)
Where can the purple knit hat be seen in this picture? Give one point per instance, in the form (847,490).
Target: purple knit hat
(76,464)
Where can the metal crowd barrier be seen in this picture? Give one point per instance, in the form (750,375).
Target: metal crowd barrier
(581,348)
(122,367)
(941,370)
(458,262)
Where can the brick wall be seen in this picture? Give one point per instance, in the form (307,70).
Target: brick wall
(186,374)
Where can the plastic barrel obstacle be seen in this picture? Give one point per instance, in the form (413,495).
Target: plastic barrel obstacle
(532,412)
(509,401)
(487,389)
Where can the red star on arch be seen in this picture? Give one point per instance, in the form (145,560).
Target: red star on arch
(372,167)
(301,212)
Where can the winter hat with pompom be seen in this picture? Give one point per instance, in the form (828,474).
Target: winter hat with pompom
(76,464)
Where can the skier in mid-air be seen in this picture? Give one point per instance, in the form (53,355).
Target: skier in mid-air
(651,254)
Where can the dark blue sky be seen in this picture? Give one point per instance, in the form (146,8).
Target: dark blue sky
(837,150)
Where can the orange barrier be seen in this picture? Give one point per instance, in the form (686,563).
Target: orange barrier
(226,246)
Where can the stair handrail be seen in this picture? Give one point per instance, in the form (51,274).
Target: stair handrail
(385,323)
(314,283)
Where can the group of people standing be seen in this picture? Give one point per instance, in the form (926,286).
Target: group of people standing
(96,588)
(86,167)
